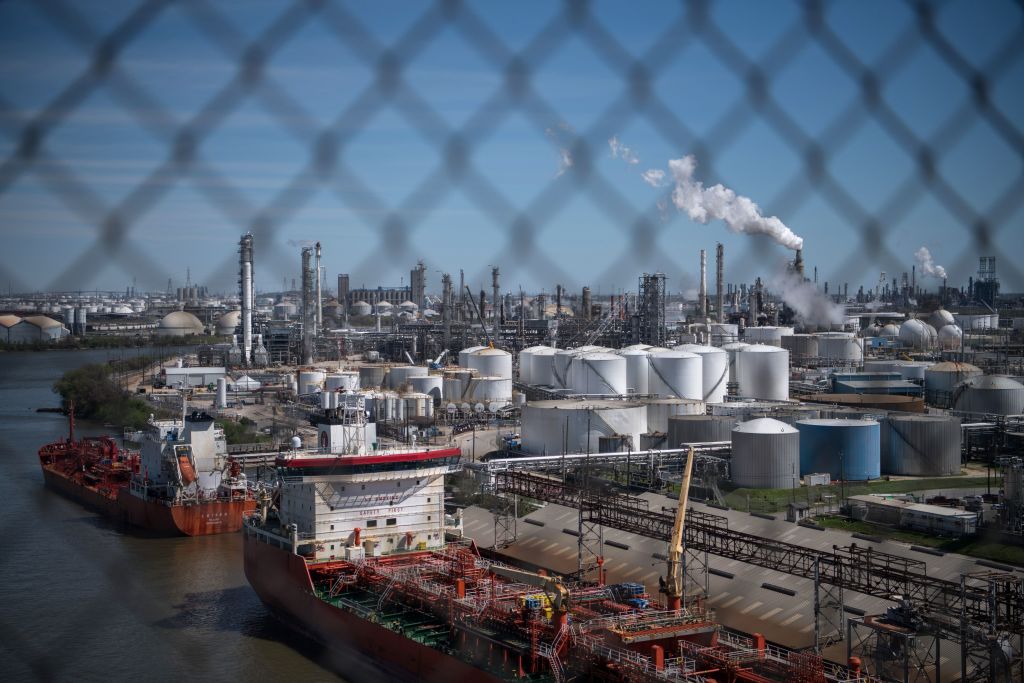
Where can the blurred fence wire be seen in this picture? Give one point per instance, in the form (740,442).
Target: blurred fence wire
(181,136)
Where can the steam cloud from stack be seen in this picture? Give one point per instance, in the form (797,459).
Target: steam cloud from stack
(809,304)
(560,135)
(928,267)
(701,204)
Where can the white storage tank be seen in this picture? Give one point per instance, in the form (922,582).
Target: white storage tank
(733,349)
(455,384)
(842,347)
(372,376)
(989,395)
(541,366)
(766,335)
(920,445)
(763,372)
(723,333)
(950,337)
(552,427)
(359,308)
(890,331)
(676,373)
(347,381)
(980,321)
(418,407)
(942,378)
(432,385)
(312,377)
(562,362)
(917,334)
(399,375)
(714,370)
(598,373)
(801,347)
(490,362)
(526,363)
(465,353)
(660,410)
(765,455)
(637,362)
(488,390)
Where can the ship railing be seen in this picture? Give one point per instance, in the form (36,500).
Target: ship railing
(645,619)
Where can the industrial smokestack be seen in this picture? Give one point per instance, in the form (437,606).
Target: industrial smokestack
(245,294)
(702,292)
(719,277)
(798,264)
(585,304)
(495,299)
(446,309)
(558,301)
(319,299)
(308,310)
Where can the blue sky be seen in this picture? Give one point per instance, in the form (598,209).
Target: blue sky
(385,198)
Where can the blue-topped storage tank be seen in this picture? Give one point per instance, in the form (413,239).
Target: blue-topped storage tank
(846,449)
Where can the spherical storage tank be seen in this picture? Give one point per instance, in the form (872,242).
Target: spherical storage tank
(920,445)
(660,410)
(490,362)
(637,361)
(598,373)
(763,372)
(990,395)
(699,429)
(950,337)
(890,331)
(917,334)
(840,346)
(676,373)
(765,455)
(714,370)
(551,427)
(940,318)
(845,449)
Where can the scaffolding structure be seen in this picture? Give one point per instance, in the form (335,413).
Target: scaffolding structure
(651,310)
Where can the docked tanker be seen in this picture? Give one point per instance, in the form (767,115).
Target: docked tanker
(354,554)
(181,482)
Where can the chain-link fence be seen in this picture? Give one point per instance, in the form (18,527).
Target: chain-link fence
(973,91)
(980,88)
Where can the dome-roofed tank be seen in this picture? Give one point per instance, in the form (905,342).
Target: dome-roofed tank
(846,449)
(699,429)
(942,378)
(490,362)
(360,308)
(917,334)
(940,318)
(714,370)
(920,445)
(763,372)
(989,395)
(598,372)
(676,373)
(179,324)
(890,331)
(227,323)
(765,455)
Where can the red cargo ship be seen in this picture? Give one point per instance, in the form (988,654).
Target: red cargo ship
(158,489)
(354,555)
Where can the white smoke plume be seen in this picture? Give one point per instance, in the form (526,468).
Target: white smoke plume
(928,267)
(620,151)
(810,305)
(561,136)
(702,204)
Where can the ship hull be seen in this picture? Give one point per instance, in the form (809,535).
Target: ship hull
(358,649)
(201,519)
(80,493)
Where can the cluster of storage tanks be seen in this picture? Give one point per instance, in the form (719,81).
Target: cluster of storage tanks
(690,371)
